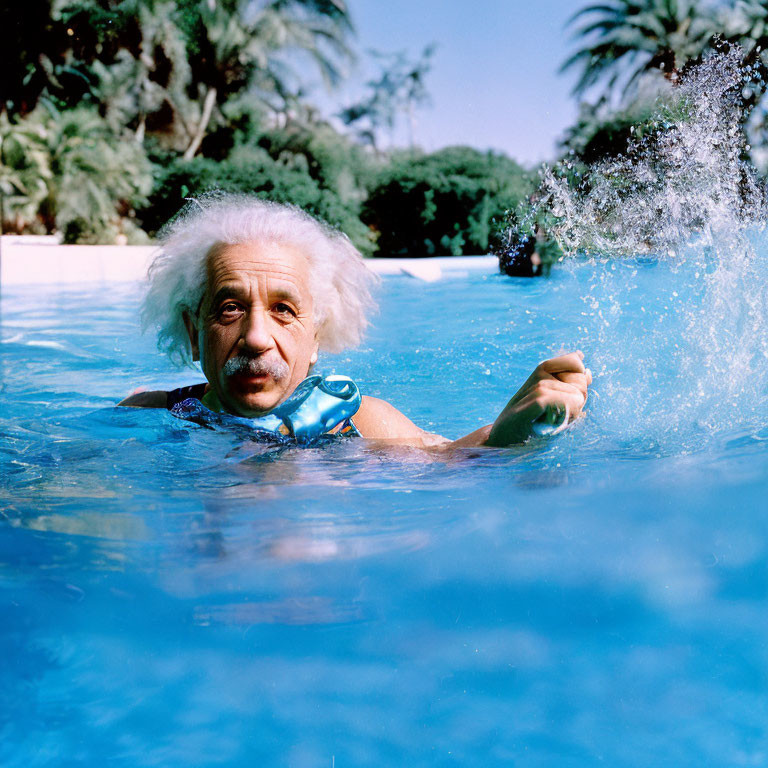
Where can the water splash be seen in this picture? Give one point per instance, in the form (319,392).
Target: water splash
(689,360)
(686,176)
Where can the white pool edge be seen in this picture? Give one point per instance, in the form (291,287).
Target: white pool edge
(30,261)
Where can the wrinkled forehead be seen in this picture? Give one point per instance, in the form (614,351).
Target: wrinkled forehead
(259,265)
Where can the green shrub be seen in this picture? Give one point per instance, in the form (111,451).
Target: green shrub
(330,158)
(68,172)
(446,203)
(254,172)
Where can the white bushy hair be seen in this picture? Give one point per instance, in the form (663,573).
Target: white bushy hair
(340,282)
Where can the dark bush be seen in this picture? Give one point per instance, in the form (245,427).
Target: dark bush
(262,177)
(446,203)
(330,158)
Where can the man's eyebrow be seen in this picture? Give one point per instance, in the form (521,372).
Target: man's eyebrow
(286,293)
(226,292)
(278,293)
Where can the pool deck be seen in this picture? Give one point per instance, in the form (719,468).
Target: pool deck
(42,261)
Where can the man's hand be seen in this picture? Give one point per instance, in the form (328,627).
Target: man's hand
(558,383)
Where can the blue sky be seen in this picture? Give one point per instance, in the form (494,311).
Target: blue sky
(494,81)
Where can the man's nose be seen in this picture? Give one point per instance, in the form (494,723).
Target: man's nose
(256,336)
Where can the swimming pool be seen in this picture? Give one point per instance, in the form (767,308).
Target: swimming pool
(171,596)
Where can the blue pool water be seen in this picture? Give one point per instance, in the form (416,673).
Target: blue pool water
(170,596)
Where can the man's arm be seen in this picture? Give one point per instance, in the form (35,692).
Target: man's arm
(156,399)
(558,383)
(379,420)
(160,399)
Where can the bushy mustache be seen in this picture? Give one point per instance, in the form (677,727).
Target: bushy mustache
(256,366)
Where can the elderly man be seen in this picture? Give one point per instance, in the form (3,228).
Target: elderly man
(255,290)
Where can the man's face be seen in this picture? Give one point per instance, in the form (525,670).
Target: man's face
(257,329)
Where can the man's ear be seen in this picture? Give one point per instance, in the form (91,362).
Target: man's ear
(192,331)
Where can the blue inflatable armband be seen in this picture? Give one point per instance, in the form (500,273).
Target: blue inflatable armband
(317,406)
(551,422)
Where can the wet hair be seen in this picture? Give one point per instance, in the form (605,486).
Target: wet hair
(340,283)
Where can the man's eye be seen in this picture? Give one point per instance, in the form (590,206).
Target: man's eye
(228,309)
(283,309)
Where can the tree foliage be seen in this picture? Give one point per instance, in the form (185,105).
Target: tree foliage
(117,110)
(623,39)
(399,88)
(252,172)
(68,172)
(166,67)
(637,50)
(166,74)
(444,203)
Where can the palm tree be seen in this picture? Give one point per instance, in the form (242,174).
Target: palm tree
(239,45)
(400,87)
(147,71)
(66,169)
(95,176)
(24,173)
(746,25)
(33,56)
(623,39)
(167,67)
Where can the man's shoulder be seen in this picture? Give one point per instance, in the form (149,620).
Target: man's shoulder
(156,399)
(162,399)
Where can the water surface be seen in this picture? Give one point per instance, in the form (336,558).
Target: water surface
(172,596)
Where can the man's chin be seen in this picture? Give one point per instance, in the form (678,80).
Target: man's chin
(253,398)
